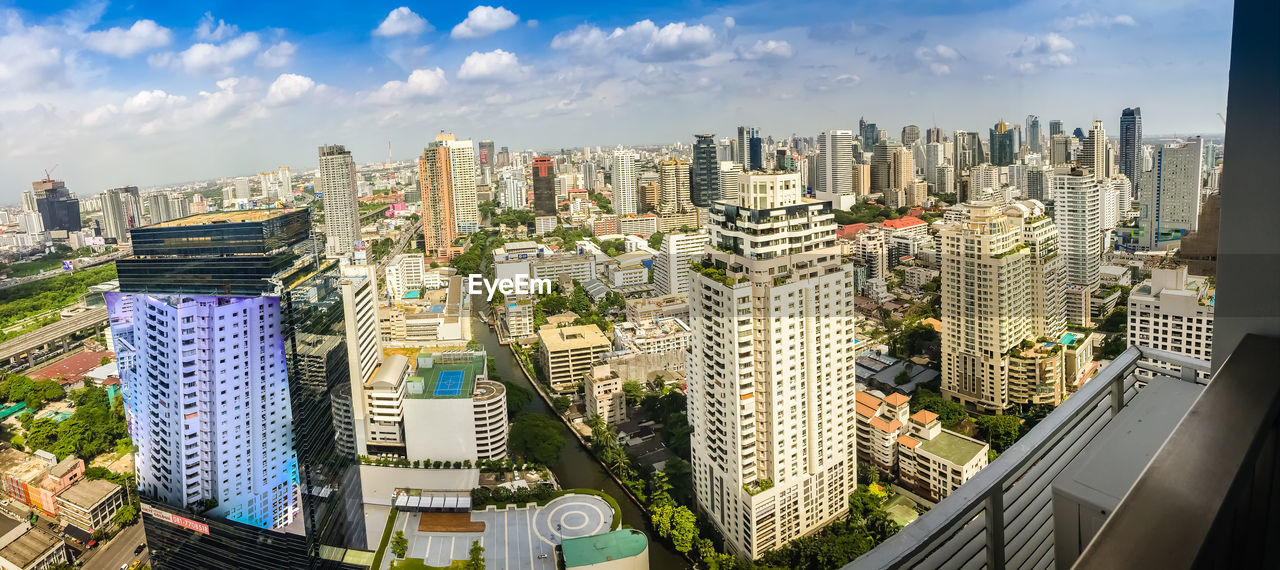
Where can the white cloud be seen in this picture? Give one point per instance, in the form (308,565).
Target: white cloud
(99,116)
(1094,20)
(278,55)
(771,49)
(288,88)
(150,101)
(939,68)
(211,58)
(484,20)
(642,40)
(402,21)
(421,83)
(121,42)
(935,58)
(497,64)
(1051,50)
(208,31)
(30,56)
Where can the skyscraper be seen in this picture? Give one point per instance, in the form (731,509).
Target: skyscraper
(1078,214)
(673,186)
(1055,127)
(234,437)
(1059,149)
(1005,287)
(892,166)
(770,371)
(121,212)
(868,134)
(835,164)
(625,200)
(336,179)
(544,186)
(487,158)
(59,208)
(741,155)
(704,187)
(1033,133)
(462,170)
(1131,146)
(435,183)
(1094,151)
(933,135)
(755,153)
(1169,195)
(910,134)
(1004,150)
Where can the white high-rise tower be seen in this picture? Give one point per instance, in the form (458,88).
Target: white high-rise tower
(770,370)
(835,164)
(337,181)
(624,182)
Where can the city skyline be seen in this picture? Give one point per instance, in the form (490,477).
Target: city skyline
(146,95)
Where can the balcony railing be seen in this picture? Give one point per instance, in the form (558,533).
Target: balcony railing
(1003,516)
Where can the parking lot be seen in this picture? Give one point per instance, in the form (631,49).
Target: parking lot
(513,538)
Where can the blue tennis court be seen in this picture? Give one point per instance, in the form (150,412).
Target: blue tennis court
(449,383)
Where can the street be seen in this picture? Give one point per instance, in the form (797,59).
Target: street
(406,236)
(118,552)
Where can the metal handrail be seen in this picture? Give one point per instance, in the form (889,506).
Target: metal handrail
(985,491)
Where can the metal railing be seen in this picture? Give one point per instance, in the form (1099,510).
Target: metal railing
(1003,516)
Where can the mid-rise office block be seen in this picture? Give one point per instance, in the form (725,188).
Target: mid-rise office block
(1173,311)
(671,266)
(1169,194)
(604,395)
(567,353)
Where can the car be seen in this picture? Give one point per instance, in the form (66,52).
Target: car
(139,549)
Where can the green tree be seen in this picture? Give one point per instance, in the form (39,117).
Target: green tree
(126,515)
(399,544)
(633,391)
(684,529)
(579,302)
(536,437)
(561,404)
(475,559)
(655,240)
(105,361)
(999,431)
(902,377)
(1112,347)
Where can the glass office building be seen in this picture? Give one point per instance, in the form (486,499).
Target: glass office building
(237,465)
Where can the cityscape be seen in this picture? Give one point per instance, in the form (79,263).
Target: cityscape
(464,320)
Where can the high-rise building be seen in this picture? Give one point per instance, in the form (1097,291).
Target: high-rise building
(625,199)
(933,135)
(1055,127)
(704,186)
(673,187)
(59,208)
(1172,311)
(121,212)
(755,154)
(891,166)
(158,208)
(868,134)
(1004,287)
(1078,214)
(1131,146)
(934,155)
(462,170)
(486,158)
(1094,151)
(435,182)
(770,370)
(1033,133)
(727,179)
(233,429)
(671,265)
(1059,149)
(1004,150)
(741,156)
(544,186)
(835,164)
(336,180)
(910,134)
(1169,194)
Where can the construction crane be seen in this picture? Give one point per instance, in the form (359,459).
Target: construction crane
(48,172)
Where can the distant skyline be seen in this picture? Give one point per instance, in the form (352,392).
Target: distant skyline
(151,93)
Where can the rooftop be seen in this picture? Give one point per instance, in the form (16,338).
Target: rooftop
(86,493)
(903,222)
(227,217)
(29,548)
(953,447)
(601,548)
(432,366)
(572,338)
(22,467)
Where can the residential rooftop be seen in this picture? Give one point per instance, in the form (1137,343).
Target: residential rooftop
(602,548)
(953,447)
(572,338)
(23,467)
(87,493)
(431,366)
(226,217)
(29,548)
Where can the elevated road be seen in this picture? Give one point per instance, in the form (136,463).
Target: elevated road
(28,349)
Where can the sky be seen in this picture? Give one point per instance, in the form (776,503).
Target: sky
(150,92)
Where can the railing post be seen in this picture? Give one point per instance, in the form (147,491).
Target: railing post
(1188,374)
(1117,394)
(995,528)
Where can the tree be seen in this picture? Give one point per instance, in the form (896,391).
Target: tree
(655,240)
(475,560)
(633,391)
(105,361)
(399,544)
(561,404)
(902,378)
(579,302)
(126,515)
(536,437)
(1113,346)
(684,529)
(1000,431)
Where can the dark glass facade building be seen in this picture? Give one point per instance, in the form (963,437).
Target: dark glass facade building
(59,210)
(544,186)
(1003,148)
(704,175)
(265,274)
(1131,146)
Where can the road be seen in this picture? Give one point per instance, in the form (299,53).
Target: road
(406,236)
(6,283)
(37,338)
(119,551)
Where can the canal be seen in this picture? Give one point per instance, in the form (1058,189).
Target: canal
(575,468)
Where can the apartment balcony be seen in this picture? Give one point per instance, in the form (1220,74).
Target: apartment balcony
(1207,497)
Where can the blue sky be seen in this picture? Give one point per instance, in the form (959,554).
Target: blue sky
(149,93)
